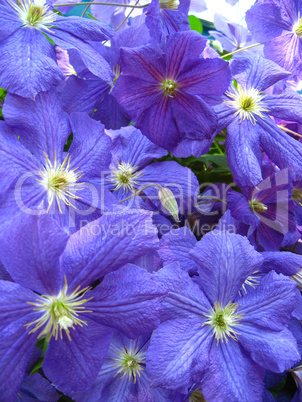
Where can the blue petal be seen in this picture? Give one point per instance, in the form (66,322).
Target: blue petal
(257,72)
(42,124)
(80,359)
(28,63)
(107,244)
(33,263)
(225,261)
(128,300)
(287,106)
(244,153)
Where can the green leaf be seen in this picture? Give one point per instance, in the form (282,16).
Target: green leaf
(91,16)
(195,23)
(219,160)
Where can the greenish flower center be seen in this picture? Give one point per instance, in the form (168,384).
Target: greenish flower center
(169,4)
(223,320)
(59,313)
(125,176)
(60,181)
(297,194)
(130,362)
(34,13)
(256,206)
(298,28)
(169,87)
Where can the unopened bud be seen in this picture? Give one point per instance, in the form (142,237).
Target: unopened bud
(168,201)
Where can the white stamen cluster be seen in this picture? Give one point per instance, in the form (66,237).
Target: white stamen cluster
(252,280)
(297,28)
(125,176)
(247,102)
(223,320)
(130,362)
(169,4)
(60,181)
(34,13)
(59,313)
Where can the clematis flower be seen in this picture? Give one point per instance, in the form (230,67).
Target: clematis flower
(28,62)
(123,375)
(166,92)
(267,209)
(278,24)
(52,297)
(212,334)
(131,171)
(246,112)
(42,178)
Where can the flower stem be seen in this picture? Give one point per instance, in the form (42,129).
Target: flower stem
(88,3)
(287,130)
(139,191)
(239,50)
(127,16)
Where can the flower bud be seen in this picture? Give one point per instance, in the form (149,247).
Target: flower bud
(168,201)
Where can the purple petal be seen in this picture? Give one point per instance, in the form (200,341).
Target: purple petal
(244,153)
(128,300)
(232,375)
(39,387)
(94,61)
(284,262)
(175,246)
(107,244)
(181,47)
(42,124)
(34,262)
(28,63)
(224,261)
(179,350)
(81,358)
(287,106)
(270,305)
(90,147)
(257,72)
(9,20)
(240,209)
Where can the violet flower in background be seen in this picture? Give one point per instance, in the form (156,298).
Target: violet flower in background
(166,92)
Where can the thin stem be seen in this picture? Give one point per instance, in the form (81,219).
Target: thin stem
(239,50)
(213,197)
(139,191)
(84,12)
(88,3)
(127,16)
(287,130)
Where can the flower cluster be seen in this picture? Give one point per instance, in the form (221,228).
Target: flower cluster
(150,202)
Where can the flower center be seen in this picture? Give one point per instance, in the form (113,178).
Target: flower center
(130,362)
(125,176)
(297,28)
(169,87)
(247,103)
(256,206)
(223,319)
(59,313)
(169,4)
(34,13)
(60,181)
(197,396)
(297,194)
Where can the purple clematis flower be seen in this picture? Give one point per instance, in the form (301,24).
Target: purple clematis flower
(52,297)
(212,334)
(246,113)
(278,24)
(95,93)
(232,36)
(28,62)
(131,170)
(42,178)
(166,92)
(267,209)
(123,375)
